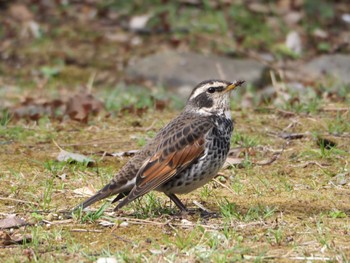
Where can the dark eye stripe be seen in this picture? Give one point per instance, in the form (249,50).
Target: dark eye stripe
(215,89)
(220,88)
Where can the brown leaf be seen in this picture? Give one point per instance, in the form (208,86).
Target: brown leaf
(259,8)
(11,222)
(20,12)
(34,109)
(6,239)
(160,104)
(19,238)
(80,106)
(134,110)
(233,161)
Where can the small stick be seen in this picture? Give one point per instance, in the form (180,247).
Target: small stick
(274,157)
(224,185)
(122,238)
(56,144)
(18,200)
(306,164)
(201,206)
(86,230)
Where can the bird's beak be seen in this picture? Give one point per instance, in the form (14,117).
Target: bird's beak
(234,85)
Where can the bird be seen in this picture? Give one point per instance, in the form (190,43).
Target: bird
(184,155)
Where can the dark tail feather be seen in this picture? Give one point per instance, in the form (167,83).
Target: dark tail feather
(106,191)
(120,196)
(93,199)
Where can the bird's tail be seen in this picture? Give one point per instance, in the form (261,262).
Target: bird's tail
(102,194)
(91,200)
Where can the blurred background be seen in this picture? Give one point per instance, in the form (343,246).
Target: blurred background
(85,84)
(74,58)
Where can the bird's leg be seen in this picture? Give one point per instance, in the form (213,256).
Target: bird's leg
(205,213)
(178,203)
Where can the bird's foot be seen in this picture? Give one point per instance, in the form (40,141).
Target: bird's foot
(205,214)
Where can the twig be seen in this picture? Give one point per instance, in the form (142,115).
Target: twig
(56,144)
(290,258)
(151,126)
(288,136)
(141,221)
(18,201)
(274,157)
(306,164)
(224,185)
(290,125)
(334,109)
(285,113)
(86,230)
(123,239)
(58,222)
(201,206)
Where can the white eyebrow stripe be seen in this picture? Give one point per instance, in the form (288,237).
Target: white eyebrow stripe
(206,86)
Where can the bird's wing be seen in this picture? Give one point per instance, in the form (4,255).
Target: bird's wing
(174,154)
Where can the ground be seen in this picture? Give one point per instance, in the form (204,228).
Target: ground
(294,208)
(283,196)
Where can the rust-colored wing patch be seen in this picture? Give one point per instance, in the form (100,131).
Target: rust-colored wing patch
(159,169)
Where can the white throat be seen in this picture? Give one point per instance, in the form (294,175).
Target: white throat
(207,112)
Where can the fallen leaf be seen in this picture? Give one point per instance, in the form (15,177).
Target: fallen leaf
(106,223)
(31,28)
(80,106)
(293,18)
(156,251)
(139,111)
(65,156)
(20,239)
(346,18)
(70,157)
(341,179)
(11,222)
(160,104)
(122,154)
(233,161)
(17,238)
(107,260)
(259,8)
(293,42)
(117,37)
(138,23)
(34,109)
(320,33)
(85,191)
(5,239)
(20,13)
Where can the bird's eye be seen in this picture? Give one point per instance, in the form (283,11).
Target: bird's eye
(211,90)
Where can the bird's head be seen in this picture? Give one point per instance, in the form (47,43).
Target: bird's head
(212,97)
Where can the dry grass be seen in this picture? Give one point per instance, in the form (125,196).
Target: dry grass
(295,208)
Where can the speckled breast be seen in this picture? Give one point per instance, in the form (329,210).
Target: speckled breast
(207,166)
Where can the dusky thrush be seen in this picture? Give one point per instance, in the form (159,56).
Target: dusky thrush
(184,155)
